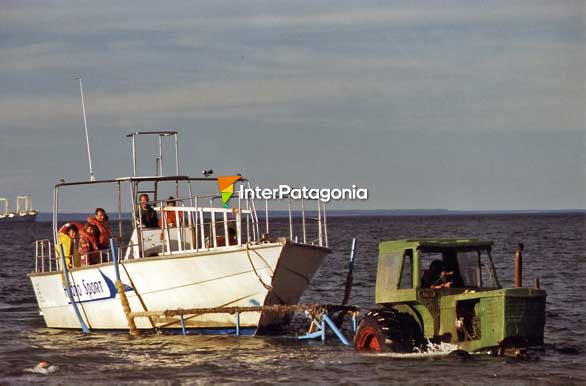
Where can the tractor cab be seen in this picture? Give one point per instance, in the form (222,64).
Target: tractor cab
(451,265)
(447,290)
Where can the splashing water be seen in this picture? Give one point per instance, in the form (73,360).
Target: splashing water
(428,351)
(42,368)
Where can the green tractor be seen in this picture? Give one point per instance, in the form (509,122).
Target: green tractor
(457,300)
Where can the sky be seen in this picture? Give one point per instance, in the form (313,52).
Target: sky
(463,105)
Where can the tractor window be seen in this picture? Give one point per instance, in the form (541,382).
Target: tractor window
(430,278)
(389,270)
(469,268)
(406,276)
(488,280)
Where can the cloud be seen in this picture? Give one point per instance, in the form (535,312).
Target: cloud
(324,71)
(115,16)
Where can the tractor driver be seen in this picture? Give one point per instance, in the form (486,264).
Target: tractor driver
(436,276)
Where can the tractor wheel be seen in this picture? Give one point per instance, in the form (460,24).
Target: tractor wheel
(388,331)
(370,335)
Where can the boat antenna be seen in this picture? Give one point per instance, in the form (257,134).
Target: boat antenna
(87,139)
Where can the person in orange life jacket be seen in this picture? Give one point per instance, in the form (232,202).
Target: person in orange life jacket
(171,216)
(88,245)
(99,221)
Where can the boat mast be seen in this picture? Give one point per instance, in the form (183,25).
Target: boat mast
(87,139)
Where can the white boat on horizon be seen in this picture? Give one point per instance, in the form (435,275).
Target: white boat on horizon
(24,210)
(213,257)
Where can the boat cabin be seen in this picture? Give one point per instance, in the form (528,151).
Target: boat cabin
(191,214)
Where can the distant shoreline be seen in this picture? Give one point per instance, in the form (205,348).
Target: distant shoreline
(45,216)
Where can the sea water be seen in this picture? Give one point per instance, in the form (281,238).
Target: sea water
(555,251)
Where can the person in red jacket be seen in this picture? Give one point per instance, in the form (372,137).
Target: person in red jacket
(171,216)
(88,245)
(100,222)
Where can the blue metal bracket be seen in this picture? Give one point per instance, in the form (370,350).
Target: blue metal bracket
(182,320)
(84,327)
(115,259)
(320,324)
(332,325)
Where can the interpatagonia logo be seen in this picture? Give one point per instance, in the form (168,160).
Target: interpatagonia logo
(304,193)
(226,185)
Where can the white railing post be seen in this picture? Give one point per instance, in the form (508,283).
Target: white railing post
(192,235)
(254,214)
(325,225)
(195,225)
(248,222)
(202,229)
(303,221)
(213,235)
(50,258)
(226,241)
(267,215)
(165,229)
(319,223)
(239,226)
(290,221)
(239,220)
(254,220)
(179,228)
(37,256)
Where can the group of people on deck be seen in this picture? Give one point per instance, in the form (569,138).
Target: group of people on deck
(82,243)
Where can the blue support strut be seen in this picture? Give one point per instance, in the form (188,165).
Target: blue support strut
(115,259)
(318,333)
(326,318)
(84,327)
(182,319)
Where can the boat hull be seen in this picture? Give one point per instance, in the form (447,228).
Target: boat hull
(265,274)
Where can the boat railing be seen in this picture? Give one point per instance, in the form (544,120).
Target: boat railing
(44,260)
(306,225)
(204,228)
(102,256)
(195,228)
(187,226)
(47,261)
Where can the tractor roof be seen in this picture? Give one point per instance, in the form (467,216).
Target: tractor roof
(433,245)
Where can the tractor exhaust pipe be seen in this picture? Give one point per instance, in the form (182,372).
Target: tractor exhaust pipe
(519,266)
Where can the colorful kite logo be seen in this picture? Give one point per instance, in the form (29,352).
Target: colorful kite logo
(226,184)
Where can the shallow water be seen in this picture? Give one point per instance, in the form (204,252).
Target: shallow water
(555,251)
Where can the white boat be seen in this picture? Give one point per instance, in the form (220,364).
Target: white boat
(200,263)
(24,210)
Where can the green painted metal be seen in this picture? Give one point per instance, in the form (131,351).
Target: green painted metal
(474,318)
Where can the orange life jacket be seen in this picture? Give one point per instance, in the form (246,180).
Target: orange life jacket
(103,230)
